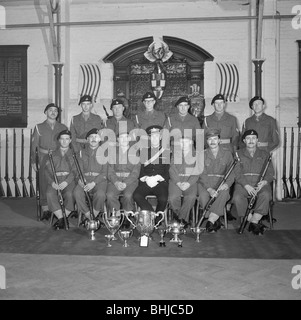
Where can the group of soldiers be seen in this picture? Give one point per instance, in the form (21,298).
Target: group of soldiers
(125,160)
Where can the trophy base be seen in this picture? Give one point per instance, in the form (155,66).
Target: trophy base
(175,239)
(144,241)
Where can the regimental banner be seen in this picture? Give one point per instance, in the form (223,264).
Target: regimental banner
(89,80)
(227,77)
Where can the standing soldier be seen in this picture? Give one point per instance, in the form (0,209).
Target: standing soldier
(95,174)
(65,171)
(263,124)
(247,174)
(123,176)
(225,122)
(83,122)
(217,161)
(44,138)
(184,175)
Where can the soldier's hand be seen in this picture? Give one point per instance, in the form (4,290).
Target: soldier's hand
(55,186)
(185,185)
(81,184)
(251,191)
(63,185)
(224,186)
(261,184)
(89,186)
(212,192)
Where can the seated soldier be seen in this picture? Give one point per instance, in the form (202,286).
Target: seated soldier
(96,178)
(123,176)
(66,174)
(154,175)
(184,175)
(247,173)
(217,161)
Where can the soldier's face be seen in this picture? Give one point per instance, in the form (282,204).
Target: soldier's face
(86,106)
(185,144)
(258,106)
(52,113)
(155,139)
(124,140)
(64,140)
(183,108)
(251,141)
(118,110)
(93,140)
(213,142)
(149,104)
(219,105)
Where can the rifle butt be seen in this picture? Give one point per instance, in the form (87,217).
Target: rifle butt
(243,224)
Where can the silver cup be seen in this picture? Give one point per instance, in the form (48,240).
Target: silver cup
(92,225)
(124,235)
(197,231)
(176,228)
(113,222)
(144,221)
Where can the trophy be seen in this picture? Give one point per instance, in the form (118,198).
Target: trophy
(109,238)
(144,223)
(92,225)
(113,222)
(124,235)
(162,233)
(197,231)
(176,228)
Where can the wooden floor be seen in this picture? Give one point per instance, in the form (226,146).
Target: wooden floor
(53,277)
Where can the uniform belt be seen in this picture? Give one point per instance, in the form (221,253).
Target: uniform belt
(184,174)
(223,141)
(262,144)
(122,174)
(81,140)
(251,174)
(60,174)
(93,174)
(215,175)
(44,150)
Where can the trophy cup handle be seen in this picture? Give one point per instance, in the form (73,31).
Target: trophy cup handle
(157,214)
(126,214)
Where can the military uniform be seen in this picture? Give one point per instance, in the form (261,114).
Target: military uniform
(146,119)
(266,127)
(227,124)
(92,171)
(212,175)
(65,171)
(182,172)
(125,171)
(124,125)
(44,137)
(248,171)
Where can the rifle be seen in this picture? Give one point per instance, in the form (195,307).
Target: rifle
(7,179)
(292,193)
(24,189)
(253,199)
(285,188)
(212,199)
(39,213)
(2,193)
(60,196)
(17,190)
(88,198)
(31,188)
(298,166)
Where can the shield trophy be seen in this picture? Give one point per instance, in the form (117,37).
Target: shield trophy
(144,223)
(113,223)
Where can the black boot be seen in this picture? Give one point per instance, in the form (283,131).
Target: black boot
(46,215)
(59,224)
(256,228)
(210,227)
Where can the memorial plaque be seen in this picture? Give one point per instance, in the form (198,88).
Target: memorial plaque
(13,86)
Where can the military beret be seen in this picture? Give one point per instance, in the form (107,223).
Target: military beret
(85,98)
(154,128)
(64,132)
(182,99)
(149,95)
(211,132)
(50,105)
(250,132)
(254,99)
(218,97)
(92,131)
(116,102)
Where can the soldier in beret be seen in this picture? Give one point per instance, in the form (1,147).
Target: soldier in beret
(65,171)
(225,122)
(182,120)
(265,125)
(154,173)
(95,175)
(44,138)
(83,122)
(217,161)
(247,173)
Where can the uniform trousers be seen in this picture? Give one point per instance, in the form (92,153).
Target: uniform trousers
(182,208)
(97,195)
(53,199)
(240,200)
(126,200)
(143,190)
(218,205)
(42,180)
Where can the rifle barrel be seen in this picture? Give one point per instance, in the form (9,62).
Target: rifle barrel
(292,193)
